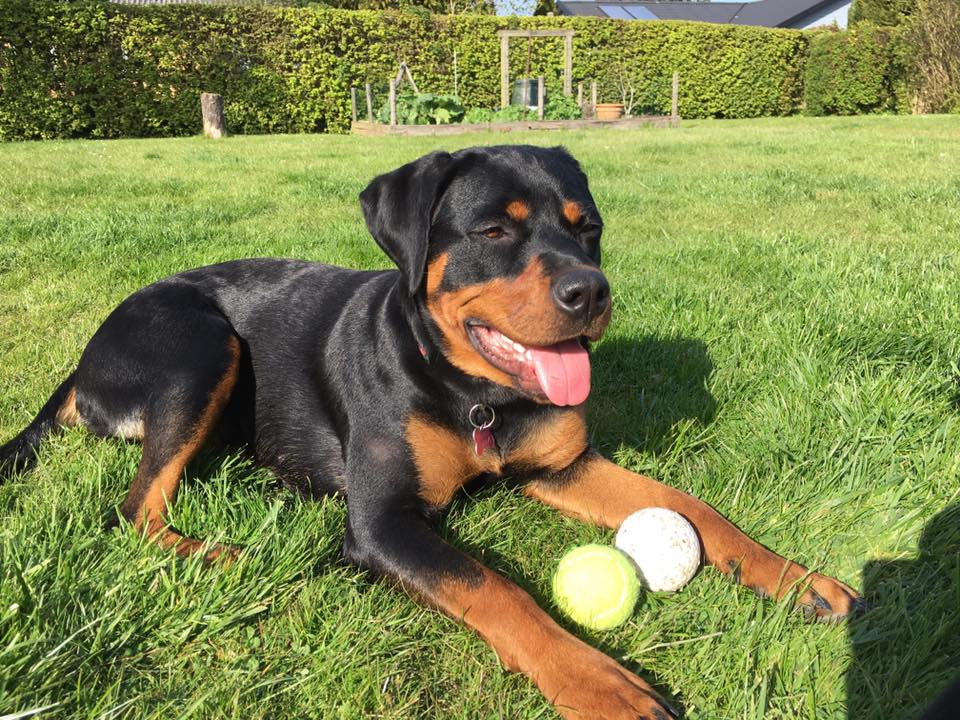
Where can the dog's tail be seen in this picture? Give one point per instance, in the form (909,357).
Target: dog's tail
(20,454)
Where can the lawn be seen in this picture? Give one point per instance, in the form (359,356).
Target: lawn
(785,343)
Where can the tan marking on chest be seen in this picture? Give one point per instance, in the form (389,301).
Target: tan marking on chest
(554,443)
(445,460)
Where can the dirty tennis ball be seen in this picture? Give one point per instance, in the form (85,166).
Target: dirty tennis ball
(664,547)
(596,586)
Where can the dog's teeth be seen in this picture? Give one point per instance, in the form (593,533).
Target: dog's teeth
(528,355)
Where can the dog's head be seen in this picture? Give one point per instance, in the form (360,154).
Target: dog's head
(501,245)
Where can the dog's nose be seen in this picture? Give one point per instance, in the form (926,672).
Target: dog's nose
(583,294)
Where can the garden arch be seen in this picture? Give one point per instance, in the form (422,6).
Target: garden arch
(505,36)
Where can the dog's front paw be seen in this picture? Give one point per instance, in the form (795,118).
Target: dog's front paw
(826,599)
(820,597)
(223,555)
(594,686)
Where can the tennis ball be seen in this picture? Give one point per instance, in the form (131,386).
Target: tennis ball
(596,586)
(664,546)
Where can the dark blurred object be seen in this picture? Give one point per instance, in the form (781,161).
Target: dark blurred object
(947,706)
(907,648)
(525,92)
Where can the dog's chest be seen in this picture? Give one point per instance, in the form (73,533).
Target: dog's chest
(446,459)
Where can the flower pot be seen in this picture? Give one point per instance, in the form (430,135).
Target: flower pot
(609,111)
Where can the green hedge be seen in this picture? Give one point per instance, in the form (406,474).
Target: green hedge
(91,69)
(887,13)
(933,33)
(861,70)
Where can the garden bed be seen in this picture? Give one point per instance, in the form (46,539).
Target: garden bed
(365,127)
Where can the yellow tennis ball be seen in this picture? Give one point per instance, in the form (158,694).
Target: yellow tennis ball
(596,586)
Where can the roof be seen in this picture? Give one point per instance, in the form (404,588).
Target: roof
(767,13)
(627,10)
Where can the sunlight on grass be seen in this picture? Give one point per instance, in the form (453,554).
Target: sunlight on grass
(785,345)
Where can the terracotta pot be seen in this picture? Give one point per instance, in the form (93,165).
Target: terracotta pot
(609,111)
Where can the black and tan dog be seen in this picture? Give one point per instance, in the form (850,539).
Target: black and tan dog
(397,388)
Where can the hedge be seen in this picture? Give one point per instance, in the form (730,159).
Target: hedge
(886,13)
(93,69)
(862,70)
(933,34)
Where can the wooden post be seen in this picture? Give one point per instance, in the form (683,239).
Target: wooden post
(580,94)
(211,107)
(504,71)
(593,99)
(405,70)
(456,78)
(369,104)
(675,98)
(393,102)
(353,103)
(568,64)
(540,91)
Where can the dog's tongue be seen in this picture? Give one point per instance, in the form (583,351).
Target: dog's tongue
(563,371)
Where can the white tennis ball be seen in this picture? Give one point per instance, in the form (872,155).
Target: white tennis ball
(663,545)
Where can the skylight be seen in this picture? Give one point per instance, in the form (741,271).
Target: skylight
(616,12)
(628,12)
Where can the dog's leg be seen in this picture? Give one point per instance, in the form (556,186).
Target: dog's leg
(391,539)
(176,425)
(597,490)
(160,369)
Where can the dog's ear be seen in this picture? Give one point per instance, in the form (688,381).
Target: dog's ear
(398,207)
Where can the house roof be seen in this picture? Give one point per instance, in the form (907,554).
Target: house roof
(626,10)
(767,13)
(776,13)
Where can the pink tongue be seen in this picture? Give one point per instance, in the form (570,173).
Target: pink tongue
(563,371)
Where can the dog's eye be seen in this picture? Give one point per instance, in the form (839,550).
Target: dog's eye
(494,233)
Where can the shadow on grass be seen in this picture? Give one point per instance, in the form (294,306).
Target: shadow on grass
(644,387)
(956,390)
(907,648)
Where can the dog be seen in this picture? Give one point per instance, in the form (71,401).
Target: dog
(395,388)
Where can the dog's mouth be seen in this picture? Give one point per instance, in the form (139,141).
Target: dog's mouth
(559,372)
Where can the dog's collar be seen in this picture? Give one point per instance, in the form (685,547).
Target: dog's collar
(420,335)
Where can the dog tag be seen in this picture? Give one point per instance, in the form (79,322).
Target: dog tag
(482,440)
(482,418)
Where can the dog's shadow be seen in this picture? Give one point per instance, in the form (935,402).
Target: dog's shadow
(907,647)
(644,389)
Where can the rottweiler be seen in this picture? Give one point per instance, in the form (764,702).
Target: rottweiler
(395,388)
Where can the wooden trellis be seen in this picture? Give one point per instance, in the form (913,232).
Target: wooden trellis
(505,36)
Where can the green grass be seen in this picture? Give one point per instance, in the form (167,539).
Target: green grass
(784,345)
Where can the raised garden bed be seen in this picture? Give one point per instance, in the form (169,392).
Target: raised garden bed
(364,127)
